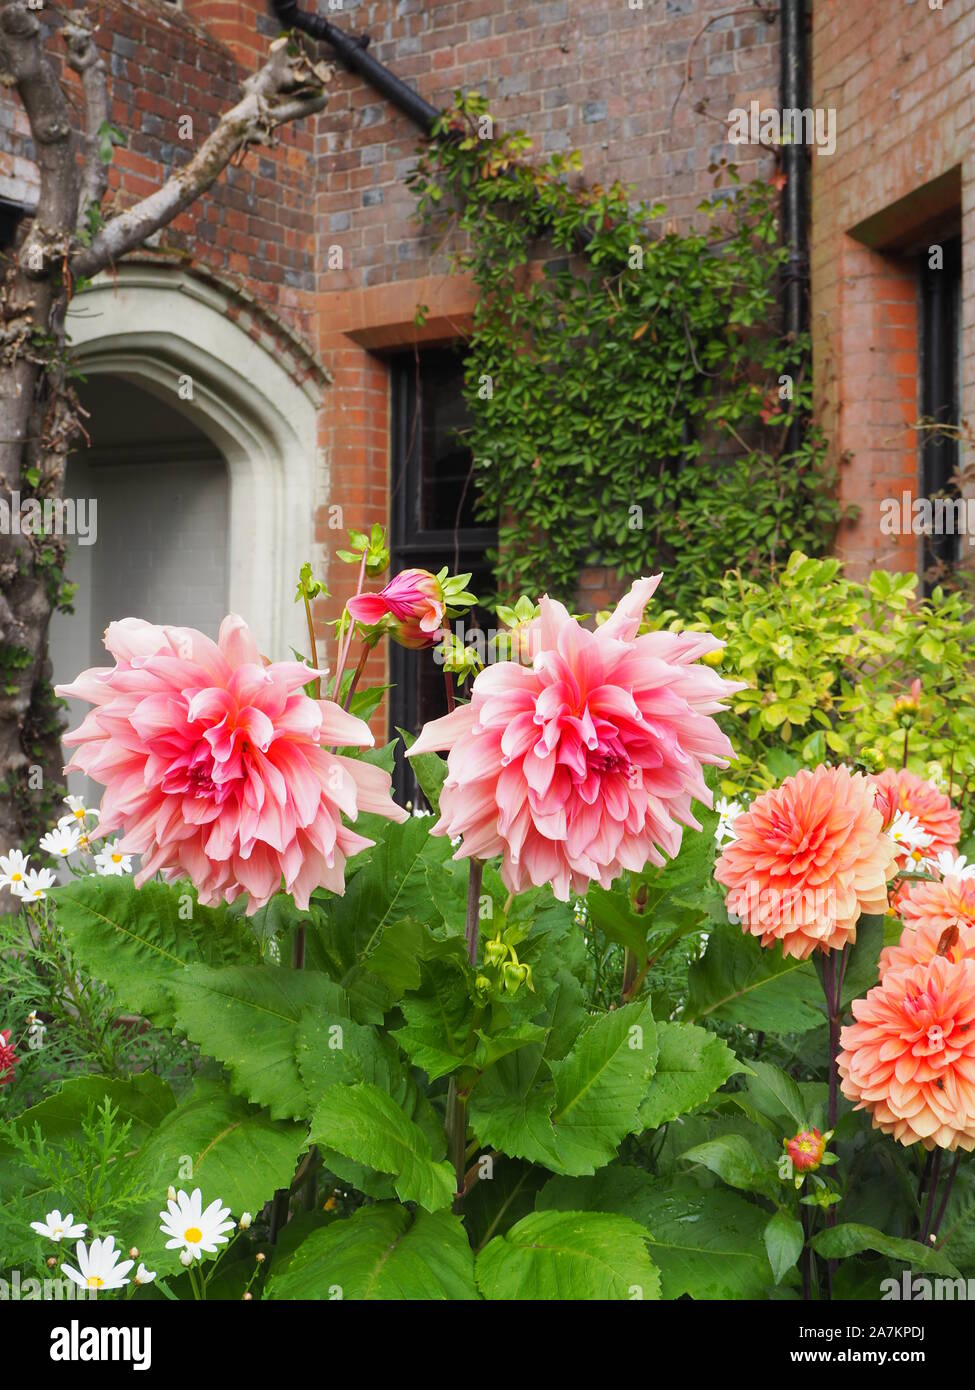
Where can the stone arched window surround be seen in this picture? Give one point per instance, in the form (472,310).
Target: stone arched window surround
(154,325)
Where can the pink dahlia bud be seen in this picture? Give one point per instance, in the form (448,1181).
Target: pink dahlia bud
(806,1150)
(585,763)
(413,599)
(217,766)
(8,1058)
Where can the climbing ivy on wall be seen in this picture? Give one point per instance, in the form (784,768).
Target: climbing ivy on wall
(631,396)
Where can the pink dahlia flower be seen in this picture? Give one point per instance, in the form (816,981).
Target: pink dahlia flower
(216,767)
(809,857)
(923,941)
(901,791)
(910,1056)
(415,602)
(8,1058)
(941,904)
(585,763)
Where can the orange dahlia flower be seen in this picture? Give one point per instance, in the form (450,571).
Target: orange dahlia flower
(910,1056)
(899,790)
(921,943)
(950,903)
(809,857)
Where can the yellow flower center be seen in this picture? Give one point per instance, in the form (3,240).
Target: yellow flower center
(17,878)
(193,1234)
(80,815)
(116,859)
(95,1281)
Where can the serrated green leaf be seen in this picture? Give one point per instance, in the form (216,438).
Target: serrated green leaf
(706,1242)
(739,982)
(734,1160)
(600,1085)
(137,939)
(381,1252)
(691,1065)
(555,1255)
(365,1124)
(247,1017)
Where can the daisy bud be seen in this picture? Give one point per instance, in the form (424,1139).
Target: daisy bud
(245,1220)
(171,1193)
(260,1257)
(51,1262)
(134,1253)
(247,1298)
(186,1257)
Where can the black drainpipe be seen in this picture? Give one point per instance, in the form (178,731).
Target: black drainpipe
(355,55)
(793,96)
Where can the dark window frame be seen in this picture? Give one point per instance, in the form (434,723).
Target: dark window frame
(412,544)
(940,389)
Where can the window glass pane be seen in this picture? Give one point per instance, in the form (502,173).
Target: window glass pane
(446,482)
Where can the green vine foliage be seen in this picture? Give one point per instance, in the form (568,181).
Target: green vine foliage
(629,391)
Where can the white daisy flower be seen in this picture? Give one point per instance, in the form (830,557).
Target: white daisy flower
(78,811)
(60,842)
(906,832)
(58,1227)
(99,1266)
(13,867)
(143,1275)
(194,1229)
(34,885)
(953,866)
(728,811)
(111,860)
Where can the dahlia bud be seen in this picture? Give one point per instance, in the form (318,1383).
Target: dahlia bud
(413,601)
(495,952)
(806,1150)
(515,975)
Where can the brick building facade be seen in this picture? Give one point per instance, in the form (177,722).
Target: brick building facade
(309,252)
(893,330)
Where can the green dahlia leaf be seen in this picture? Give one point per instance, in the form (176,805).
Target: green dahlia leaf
(366,1125)
(691,1065)
(568,1255)
(381,1252)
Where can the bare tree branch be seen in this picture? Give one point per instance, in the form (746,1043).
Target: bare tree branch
(84,58)
(289,86)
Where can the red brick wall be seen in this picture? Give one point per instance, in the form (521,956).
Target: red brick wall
(899,76)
